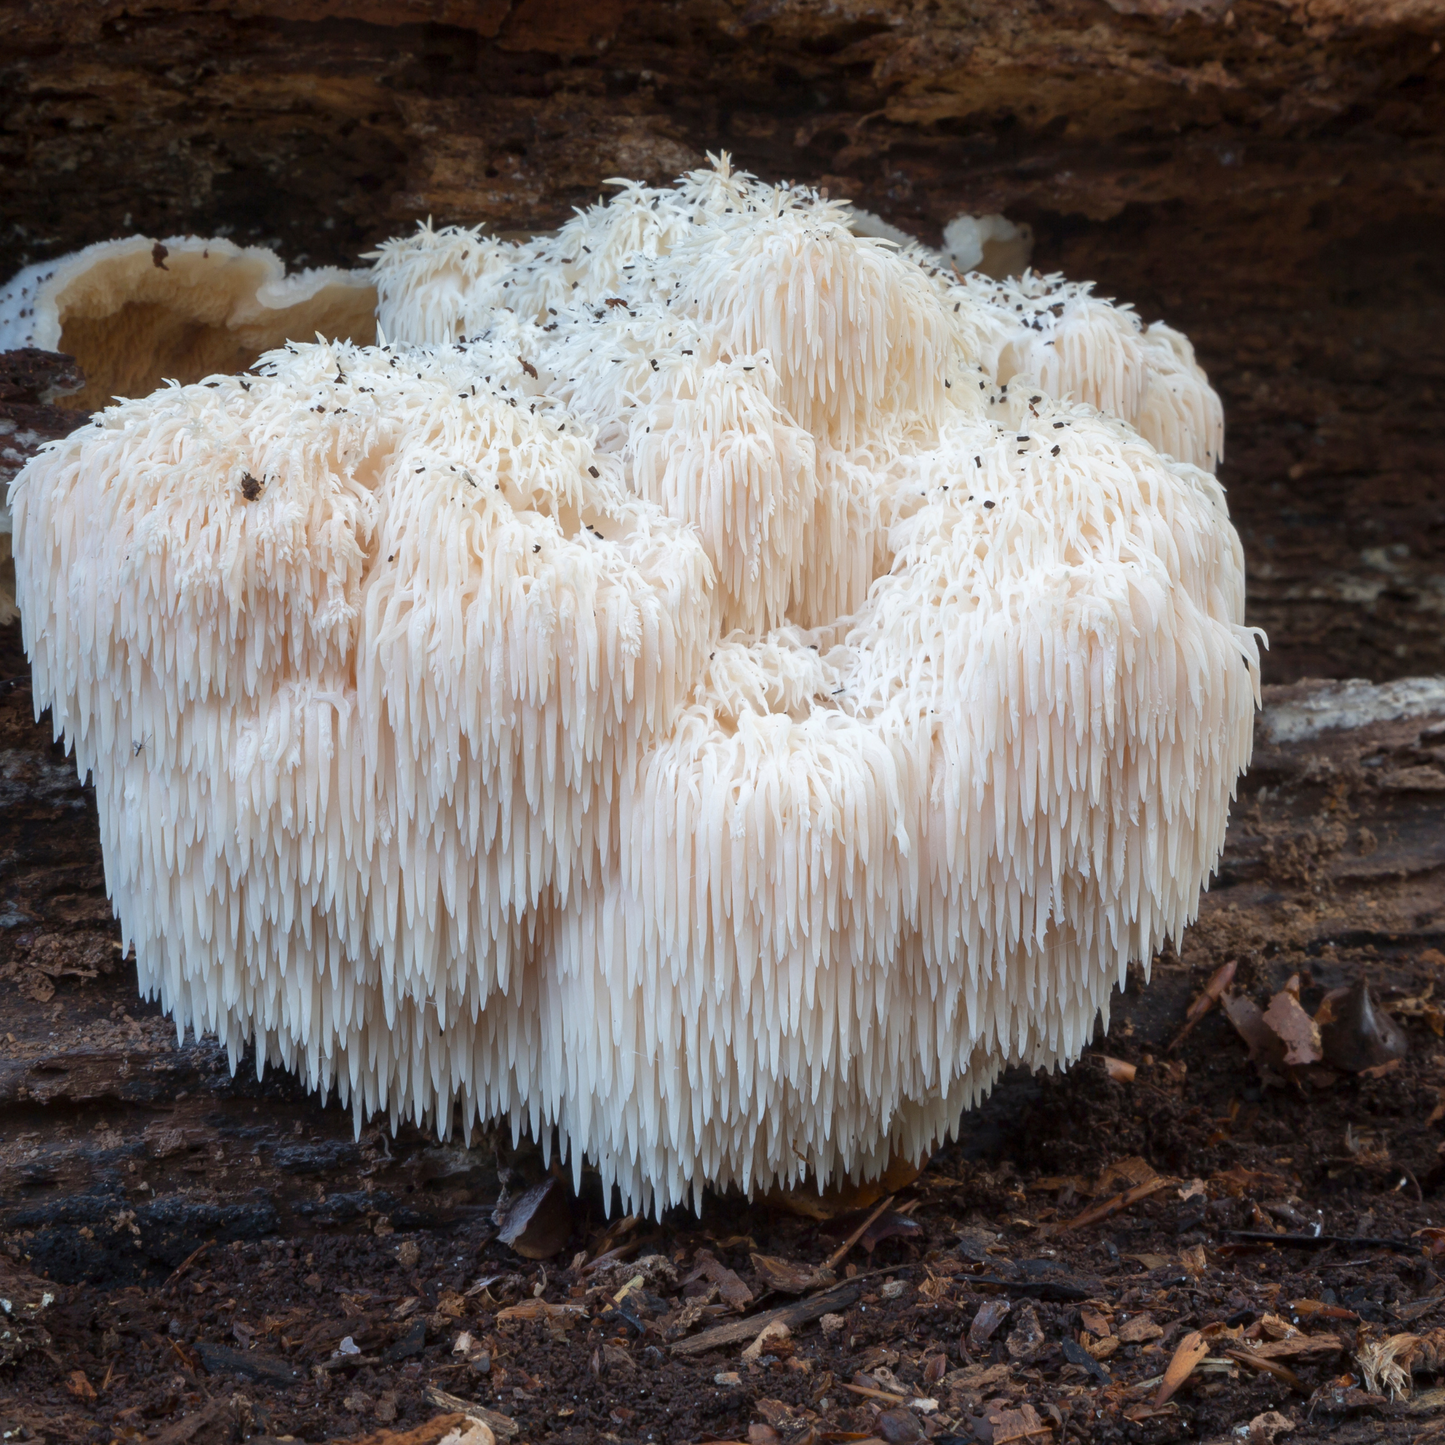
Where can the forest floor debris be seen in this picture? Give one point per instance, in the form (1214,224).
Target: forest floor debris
(1199,1232)
(1254,1271)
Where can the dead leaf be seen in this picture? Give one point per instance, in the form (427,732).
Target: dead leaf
(1095,1322)
(1150,1261)
(846,1197)
(1295,1029)
(1355,1035)
(538,1222)
(1118,1070)
(1265,1048)
(888,1225)
(1190,1350)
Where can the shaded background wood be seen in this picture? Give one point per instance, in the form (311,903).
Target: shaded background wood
(1267,175)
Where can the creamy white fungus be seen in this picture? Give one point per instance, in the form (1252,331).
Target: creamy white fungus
(672,693)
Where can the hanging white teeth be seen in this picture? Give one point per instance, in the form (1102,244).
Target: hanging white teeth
(672,692)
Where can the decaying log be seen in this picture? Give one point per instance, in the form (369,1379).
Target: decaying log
(1267,175)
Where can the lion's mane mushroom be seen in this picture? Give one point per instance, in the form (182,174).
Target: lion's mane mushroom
(670,694)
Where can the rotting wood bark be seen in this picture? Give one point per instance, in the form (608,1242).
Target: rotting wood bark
(1267,175)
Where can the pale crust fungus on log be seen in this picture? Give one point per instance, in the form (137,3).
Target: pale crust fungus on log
(673,691)
(136,312)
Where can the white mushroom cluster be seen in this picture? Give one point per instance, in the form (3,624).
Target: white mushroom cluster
(674,692)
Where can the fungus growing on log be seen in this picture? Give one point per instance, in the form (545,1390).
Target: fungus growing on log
(668,693)
(138,311)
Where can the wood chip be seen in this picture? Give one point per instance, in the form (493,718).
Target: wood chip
(773,1334)
(1020,1426)
(1251,1360)
(835,1300)
(1296,1347)
(1138,1328)
(539,1309)
(502,1426)
(991,1314)
(706,1265)
(453,1428)
(1190,1351)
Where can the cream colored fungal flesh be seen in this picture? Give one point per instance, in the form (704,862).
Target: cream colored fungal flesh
(136,312)
(673,692)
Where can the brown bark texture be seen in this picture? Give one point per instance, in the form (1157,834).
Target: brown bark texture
(1268,175)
